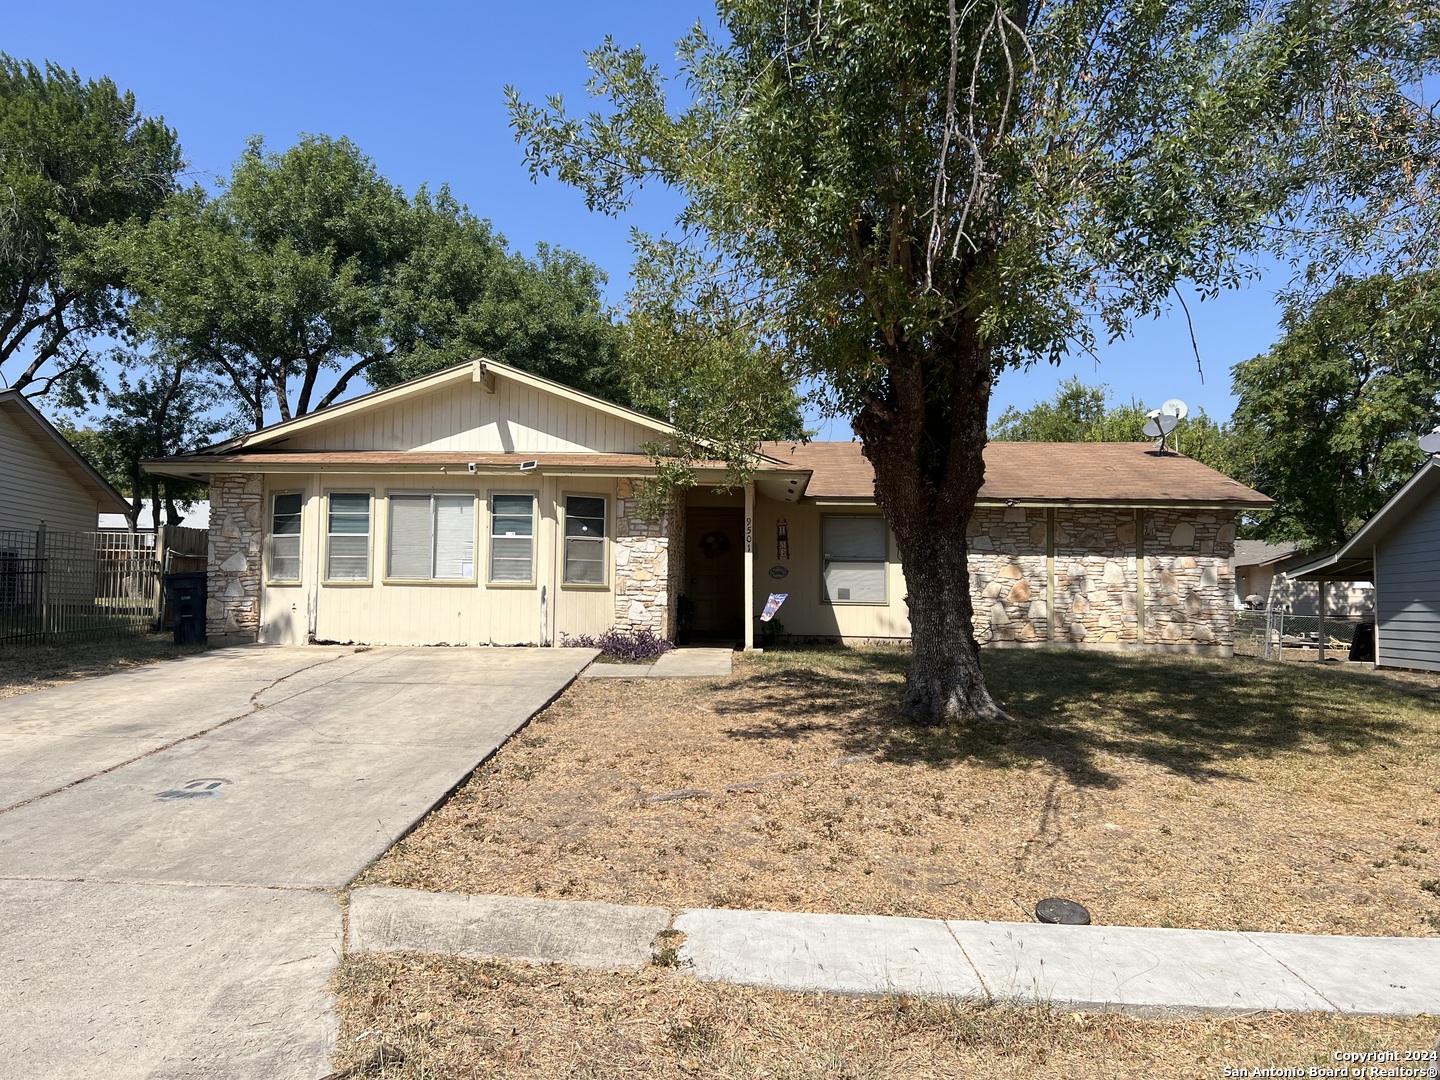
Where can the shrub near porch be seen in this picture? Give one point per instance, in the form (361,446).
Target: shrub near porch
(1158,791)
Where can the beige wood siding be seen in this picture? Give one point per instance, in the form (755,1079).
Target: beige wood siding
(514,419)
(804,614)
(36,487)
(383,612)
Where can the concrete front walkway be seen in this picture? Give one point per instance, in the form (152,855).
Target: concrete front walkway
(1134,969)
(675,664)
(168,837)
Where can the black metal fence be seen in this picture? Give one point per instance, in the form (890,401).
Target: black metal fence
(71,586)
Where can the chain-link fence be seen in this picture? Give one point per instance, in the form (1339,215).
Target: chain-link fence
(70,586)
(1271,635)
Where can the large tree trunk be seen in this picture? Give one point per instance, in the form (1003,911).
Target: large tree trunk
(926,440)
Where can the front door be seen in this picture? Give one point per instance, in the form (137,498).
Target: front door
(715,571)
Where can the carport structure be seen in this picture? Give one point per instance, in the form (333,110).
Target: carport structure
(1399,550)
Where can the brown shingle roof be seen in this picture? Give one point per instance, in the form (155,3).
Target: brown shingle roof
(1039,472)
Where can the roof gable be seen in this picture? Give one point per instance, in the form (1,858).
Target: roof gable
(481,407)
(50,442)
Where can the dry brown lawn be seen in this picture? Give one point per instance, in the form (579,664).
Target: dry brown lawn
(449,1017)
(26,668)
(1158,791)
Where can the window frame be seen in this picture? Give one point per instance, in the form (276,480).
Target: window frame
(269,550)
(884,562)
(369,578)
(535,520)
(607,561)
(432,494)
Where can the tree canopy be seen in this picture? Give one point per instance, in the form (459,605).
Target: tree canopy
(1328,419)
(906,197)
(155,407)
(75,156)
(1081,413)
(310,268)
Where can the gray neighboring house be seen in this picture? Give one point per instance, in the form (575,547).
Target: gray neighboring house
(1398,549)
(1264,570)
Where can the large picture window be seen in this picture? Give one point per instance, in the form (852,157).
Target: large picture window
(285,510)
(584,540)
(512,539)
(432,537)
(854,567)
(347,550)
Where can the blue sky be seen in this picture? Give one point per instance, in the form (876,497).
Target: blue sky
(419,89)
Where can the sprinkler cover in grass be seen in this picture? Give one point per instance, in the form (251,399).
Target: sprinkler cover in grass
(1055,910)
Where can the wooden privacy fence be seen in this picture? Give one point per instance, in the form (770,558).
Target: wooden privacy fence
(72,586)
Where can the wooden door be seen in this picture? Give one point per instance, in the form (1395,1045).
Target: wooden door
(715,571)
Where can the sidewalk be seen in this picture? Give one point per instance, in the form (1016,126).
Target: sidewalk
(1133,969)
(675,664)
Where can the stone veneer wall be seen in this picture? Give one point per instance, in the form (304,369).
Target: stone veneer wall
(644,589)
(1096,577)
(1188,581)
(237,529)
(1189,585)
(1007,574)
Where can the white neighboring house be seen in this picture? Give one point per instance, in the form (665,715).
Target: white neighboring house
(196,517)
(1263,581)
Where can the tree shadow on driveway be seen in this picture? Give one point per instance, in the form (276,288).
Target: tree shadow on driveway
(1198,718)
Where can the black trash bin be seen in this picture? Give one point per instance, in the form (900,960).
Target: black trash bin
(186,593)
(1362,646)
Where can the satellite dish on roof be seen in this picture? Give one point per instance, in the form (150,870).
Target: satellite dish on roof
(1431,443)
(1176,408)
(1157,427)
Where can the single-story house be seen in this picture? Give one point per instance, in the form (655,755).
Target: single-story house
(483,504)
(1263,581)
(1399,550)
(46,479)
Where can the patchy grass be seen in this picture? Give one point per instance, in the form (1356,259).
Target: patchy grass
(25,668)
(1156,790)
(452,1017)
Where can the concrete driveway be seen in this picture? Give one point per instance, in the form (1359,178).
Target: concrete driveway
(169,838)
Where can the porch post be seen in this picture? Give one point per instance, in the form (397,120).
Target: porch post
(1320,651)
(749,566)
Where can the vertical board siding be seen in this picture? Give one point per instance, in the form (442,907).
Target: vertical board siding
(514,419)
(37,487)
(471,613)
(1407,587)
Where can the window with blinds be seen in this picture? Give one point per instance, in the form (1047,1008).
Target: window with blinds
(285,536)
(512,539)
(853,559)
(432,537)
(347,539)
(584,540)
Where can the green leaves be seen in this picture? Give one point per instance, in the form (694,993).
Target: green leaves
(310,267)
(1328,418)
(75,157)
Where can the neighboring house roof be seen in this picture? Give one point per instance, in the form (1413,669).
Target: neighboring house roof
(1025,472)
(1259,553)
(30,420)
(196,517)
(1354,560)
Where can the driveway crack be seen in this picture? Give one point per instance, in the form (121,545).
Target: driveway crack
(254,706)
